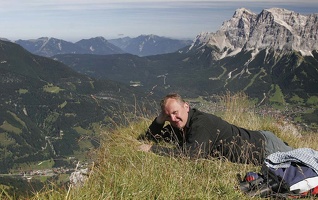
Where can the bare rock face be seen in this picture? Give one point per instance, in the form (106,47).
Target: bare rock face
(275,29)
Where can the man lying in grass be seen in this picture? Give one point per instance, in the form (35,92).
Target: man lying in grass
(200,135)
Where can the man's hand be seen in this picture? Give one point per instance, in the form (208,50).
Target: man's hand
(162,118)
(145,147)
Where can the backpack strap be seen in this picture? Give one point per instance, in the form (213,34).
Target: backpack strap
(275,179)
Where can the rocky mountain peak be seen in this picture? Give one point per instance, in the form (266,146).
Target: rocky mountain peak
(95,39)
(243,13)
(239,27)
(274,28)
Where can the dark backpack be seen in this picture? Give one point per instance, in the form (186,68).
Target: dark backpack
(296,181)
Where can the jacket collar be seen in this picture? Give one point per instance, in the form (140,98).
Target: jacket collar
(190,114)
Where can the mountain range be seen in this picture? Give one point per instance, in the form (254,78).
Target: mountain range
(260,54)
(146,45)
(142,45)
(272,56)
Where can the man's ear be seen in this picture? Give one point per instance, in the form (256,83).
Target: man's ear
(186,106)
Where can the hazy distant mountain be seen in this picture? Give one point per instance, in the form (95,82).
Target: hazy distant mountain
(98,45)
(121,42)
(4,39)
(145,45)
(51,46)
(142,46)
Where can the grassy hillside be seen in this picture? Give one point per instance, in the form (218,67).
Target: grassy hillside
(123,172)
(49,111)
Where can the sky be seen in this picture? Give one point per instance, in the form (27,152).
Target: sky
(73,20)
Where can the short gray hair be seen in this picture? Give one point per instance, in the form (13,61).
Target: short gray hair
(171,96)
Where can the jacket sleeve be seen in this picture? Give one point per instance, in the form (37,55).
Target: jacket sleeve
(154,131)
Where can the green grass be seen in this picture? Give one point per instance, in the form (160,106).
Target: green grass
(5,140)
(83,131)
(52,89)
(23,91)
(121,171)
(63,104)
(278,96)
(6,126)
(296,99)
(16,118)
(254,78)
(313,100)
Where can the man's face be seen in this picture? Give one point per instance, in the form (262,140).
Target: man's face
(176,113)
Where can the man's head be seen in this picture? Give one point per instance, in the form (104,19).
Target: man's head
(175,110)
